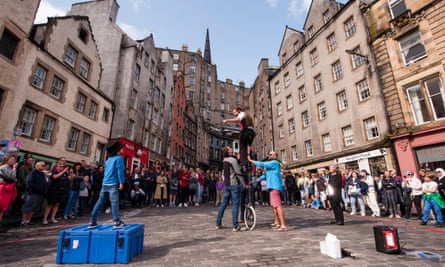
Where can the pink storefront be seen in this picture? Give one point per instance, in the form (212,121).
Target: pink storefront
(420,149)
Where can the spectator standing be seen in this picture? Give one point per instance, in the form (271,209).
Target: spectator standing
(184,177)
(57,192)
(173,184)
(84,188)
(291,186)
(161,189)
(114,180)
(219,189)
(96,185)
(8,190)
(440,174)
(415,185)
(37,189)
(390,193)
(77,173)
(432,200)
(212,188)
(355,191)
(23,170)
(371,196)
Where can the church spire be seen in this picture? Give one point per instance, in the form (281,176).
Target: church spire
(207,57)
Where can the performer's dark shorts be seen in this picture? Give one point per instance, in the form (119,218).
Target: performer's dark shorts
(247,135)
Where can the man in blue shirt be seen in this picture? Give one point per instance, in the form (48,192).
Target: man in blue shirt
(114,180)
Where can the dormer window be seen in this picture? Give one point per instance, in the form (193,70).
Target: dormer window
(83,34)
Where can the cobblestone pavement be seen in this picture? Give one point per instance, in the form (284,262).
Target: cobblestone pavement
(187,237)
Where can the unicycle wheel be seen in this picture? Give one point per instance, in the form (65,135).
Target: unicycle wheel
(250,218)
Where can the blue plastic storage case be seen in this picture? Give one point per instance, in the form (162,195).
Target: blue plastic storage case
(102,244)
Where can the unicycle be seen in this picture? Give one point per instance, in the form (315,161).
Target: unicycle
(249,212)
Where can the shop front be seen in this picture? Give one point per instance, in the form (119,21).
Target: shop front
(134,155)
(373,161)
(424,149)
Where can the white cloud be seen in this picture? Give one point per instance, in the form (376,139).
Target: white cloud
(298,7)
(134,32)
(137,4)
(272,3)
(46,9)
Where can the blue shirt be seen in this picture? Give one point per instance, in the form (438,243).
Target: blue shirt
(273,174)
(114,171)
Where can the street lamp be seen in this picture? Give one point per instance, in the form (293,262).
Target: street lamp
(358,55)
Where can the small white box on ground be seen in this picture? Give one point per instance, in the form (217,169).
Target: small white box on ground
(331,246)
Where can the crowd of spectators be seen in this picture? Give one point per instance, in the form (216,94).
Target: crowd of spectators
(65,191)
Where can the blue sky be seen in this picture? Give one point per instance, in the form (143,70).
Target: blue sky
(241,31)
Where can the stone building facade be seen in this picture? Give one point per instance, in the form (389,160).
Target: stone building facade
(407,37)
(327,105)
(139,79)
(55,106)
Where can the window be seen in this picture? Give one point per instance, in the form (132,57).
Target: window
(155,117)
(192,69)
(371,128)
(314,56)
(283,155)
(8,44)
(412,48)
(80,103)
(308,146)
(349,27)
(305,119)
(302,93)
(289,103)
(151,87)
(311,31)
(397,7)
(326,139)
(291,123)
(363,90)
(57,87)
(133,98)
(157,94)
(27,121)
(418,105)
(137,72)
(279,109)
(357,58)
(39,77)
(332,42)
(105,114)
(348,137)
(47,129)
(152,66)
(286,79)
(146,135)
(83,34)
(318,84)
(281,130)
(299,68)
(73,138)
(436,96)
(192,81)
(85,143)
(326,16)
(148,110)
(130,129)
(322,113)
(175,67)
(84,68)
(93,110)
(297,46)
(277,88)
(342,101)
(294,152)
(147,59)
(337,71)
(175,56)
(71,56)
(191,95)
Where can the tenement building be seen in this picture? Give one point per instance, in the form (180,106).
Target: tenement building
(51,105)
(326,98)
(407,37)
(139,79)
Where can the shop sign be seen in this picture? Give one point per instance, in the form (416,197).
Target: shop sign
(363,155)
(431,154)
